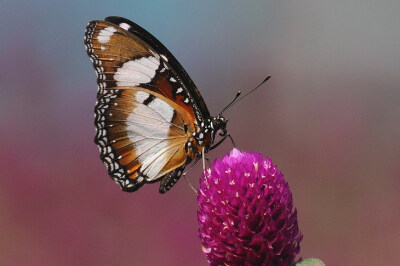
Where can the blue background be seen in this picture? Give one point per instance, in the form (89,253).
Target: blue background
(329,118)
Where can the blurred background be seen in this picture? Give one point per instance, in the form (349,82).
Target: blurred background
(329,118)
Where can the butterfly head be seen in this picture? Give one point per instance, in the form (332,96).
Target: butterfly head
(218,124)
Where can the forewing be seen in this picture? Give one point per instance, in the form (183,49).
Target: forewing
(124,54)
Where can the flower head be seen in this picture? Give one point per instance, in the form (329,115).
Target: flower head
(246,212)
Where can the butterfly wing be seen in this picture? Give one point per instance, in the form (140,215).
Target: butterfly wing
(147,106)
(141,137)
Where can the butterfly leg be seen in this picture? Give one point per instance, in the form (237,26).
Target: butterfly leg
(204,162)
(184,175)
(190,184)
(217,144)
(233,142)
(222,140)
(191,166)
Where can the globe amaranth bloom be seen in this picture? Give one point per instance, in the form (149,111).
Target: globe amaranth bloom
(246,212)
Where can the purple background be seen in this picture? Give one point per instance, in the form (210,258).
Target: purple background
(329,118)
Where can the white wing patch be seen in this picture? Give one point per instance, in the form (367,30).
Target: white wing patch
(148,129)
(154,160)
(136,72)
(105,34)
(163,108)
(125,26)
(141,96)
(146,122)
(157,105)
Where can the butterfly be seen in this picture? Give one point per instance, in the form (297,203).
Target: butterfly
(151,120)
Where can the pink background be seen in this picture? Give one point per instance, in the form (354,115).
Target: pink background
(329,117)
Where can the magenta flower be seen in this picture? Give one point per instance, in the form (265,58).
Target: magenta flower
(246,212)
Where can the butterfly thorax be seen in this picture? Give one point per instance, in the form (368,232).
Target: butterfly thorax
(218,125)
(204,136)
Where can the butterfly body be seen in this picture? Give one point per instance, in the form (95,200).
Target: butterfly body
(151,120)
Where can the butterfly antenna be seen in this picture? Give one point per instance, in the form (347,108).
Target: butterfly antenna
(232,102)
(236,99)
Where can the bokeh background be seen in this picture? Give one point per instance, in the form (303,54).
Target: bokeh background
(329,118)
